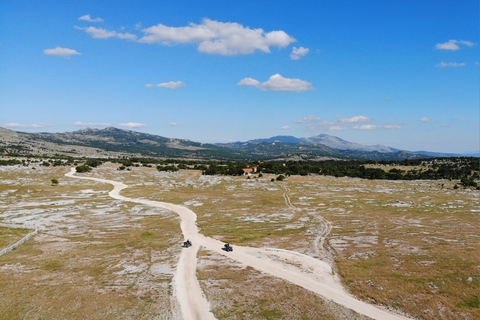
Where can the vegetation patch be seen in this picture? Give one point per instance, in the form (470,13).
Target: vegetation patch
(10,236)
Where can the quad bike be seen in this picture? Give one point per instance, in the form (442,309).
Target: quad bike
(187,244)
(227,247)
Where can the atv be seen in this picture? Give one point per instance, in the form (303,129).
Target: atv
(227,247)
(187,244)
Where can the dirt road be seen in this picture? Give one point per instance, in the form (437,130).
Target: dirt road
(312,274)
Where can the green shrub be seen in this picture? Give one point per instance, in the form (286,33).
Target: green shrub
(83,168)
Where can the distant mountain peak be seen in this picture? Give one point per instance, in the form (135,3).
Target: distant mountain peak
(287,139)
(329,141)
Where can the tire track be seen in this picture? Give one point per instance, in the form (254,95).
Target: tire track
(319,242)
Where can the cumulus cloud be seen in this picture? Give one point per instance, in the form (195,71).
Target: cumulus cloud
(213,37)
(309,119)
(248,82)
(171,84)
(375,127)
(59,51)
(285,128)
(356,119)
(91,124)
(27,126)
(451,64)
(424,119)
(325,126)
(454,44)
(100,33)
(279,83)
(132,125)
(297,53)
(89,19)
(149,85)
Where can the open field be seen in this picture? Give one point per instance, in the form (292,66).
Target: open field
(9,236)
(410,245)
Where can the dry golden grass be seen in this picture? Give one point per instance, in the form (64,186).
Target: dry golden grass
(95,259)
(414,246)
(411,245)
(9,236)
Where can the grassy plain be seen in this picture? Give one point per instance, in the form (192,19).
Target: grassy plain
(94,258)
(413,246)
(9,236)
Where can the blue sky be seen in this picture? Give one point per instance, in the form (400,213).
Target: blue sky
(399,73)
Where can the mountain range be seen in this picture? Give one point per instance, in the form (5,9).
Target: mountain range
(338,143)
(329,141)
(113,142)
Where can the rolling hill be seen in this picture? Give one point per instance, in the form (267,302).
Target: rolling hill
(114,143)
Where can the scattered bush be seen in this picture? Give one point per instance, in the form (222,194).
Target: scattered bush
(171,168)
(93,163)
(83,168)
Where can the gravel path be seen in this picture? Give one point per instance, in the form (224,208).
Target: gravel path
(302,270)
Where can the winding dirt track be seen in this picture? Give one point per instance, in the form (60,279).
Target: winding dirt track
(314,275)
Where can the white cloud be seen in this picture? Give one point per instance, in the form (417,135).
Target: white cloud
(356,119)
(279,83)
(174,124)
(132,125)
(248,82)
(309,119)
(91,124)
(374,127)
(325,126)
(88,18)
(297,53)
(149,85)
(454,44)
(100,33)
(285,128)
(213,37)
(391,126)
(462,118)
(171,84)
(27,126)
(424,119)
(59,51)
(451,64)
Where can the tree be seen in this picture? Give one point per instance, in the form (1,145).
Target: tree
(170,168)
(465,182)
(54,182)
(83,168)
(281,177)
(93,163)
